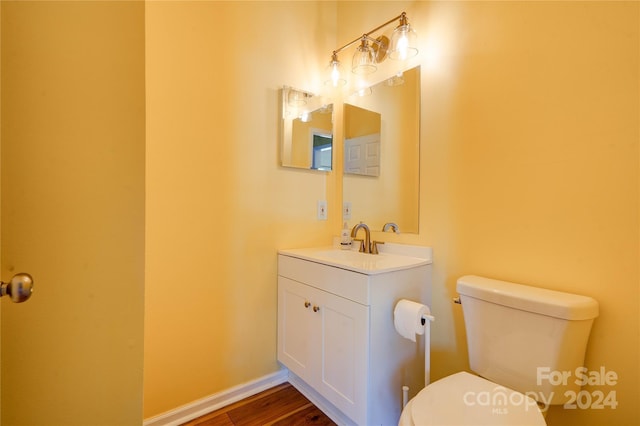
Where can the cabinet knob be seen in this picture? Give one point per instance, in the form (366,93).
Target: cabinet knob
(316,308)
(307,304)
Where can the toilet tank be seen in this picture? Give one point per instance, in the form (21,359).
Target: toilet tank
(526,338)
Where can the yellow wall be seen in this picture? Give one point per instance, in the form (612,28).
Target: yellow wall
(530,172)
(73,210)
(360,122)
(218,204)
(0,206)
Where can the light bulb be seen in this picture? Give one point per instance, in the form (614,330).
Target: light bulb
(403,44)
(403,41)
(335,75)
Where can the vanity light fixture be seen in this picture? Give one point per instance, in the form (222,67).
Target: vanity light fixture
(372,51)
(403,41)
(335,72)
(364,60)
(300,104)
(297,98)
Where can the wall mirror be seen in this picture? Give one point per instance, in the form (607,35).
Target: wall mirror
(383,184)
(307,131)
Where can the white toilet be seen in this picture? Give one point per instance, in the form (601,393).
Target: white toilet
(525,344)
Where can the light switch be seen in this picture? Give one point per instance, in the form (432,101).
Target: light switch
(346,210)
(322,210)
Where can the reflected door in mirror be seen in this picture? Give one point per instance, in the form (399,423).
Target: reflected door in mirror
(361,141)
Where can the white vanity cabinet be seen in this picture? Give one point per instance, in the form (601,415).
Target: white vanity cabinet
(324,341)
(336,336)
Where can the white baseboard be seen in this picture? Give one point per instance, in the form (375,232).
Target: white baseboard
(216,401)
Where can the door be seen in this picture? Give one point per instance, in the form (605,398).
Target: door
(297,337)
(344,327)
(72,211)
(362,155)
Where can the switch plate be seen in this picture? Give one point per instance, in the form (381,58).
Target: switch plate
(322,210)
(346,210)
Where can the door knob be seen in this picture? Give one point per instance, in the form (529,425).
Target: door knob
(19,288)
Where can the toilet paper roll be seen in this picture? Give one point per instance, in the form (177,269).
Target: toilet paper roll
(407,318)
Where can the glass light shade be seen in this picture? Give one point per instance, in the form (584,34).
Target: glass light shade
(365,91)
(305,117)
(334,74)
(396,80)
(364,60)
(403,43)
(297,98)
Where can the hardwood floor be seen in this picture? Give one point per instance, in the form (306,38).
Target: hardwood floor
(282,405)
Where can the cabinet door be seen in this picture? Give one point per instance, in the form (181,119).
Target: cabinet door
(296,328)
(344,355)
(323,339)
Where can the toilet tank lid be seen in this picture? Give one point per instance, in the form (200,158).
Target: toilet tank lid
(531,299)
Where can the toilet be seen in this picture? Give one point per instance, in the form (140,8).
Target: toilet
(525,344)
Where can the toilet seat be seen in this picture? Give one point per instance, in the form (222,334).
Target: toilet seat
(466,399)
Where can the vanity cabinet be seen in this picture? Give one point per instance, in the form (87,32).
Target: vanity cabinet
(323,341)
(336,337)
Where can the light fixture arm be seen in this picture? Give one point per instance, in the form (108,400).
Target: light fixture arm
(367,56)
(402,17)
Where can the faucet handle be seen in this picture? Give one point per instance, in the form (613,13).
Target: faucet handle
(374,246)
(361,245)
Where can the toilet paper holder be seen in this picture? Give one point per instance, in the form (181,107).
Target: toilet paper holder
(424,319)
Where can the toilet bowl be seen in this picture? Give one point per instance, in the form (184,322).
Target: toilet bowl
(464,399)
(504,322)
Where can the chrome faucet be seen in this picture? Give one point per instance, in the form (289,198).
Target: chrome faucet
(365,246)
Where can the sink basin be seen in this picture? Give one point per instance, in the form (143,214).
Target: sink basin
(394,257)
